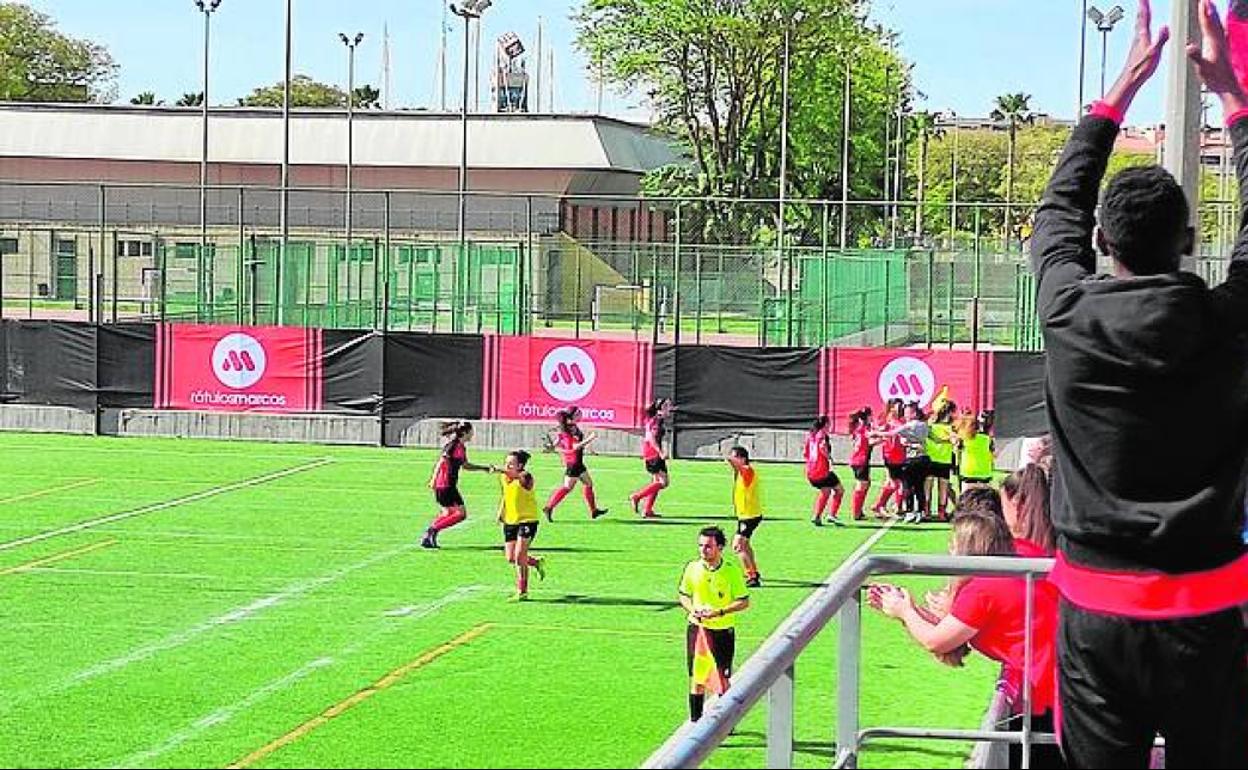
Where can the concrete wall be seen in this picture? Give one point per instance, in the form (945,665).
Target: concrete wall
(45,419)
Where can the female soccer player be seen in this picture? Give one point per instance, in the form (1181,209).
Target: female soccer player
(445,479)
(653,456)
(860,457)
(977,454)
(517,512)
(571,443)
(894,453)
(818,454)
(940,465)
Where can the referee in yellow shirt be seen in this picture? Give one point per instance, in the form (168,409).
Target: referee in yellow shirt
(712,590)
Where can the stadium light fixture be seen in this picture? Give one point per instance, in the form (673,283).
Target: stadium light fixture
(467,10)
(207,9)
(1105,23)
(351,43)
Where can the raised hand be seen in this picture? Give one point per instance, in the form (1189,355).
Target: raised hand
(1142,61)
(1213,58)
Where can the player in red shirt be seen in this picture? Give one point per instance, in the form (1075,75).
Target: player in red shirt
(818,454)
(652,454)
(570,442)
(860,457)
(989,614)
(445,479)
(894,452)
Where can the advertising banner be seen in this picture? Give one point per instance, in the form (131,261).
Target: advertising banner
(233,369)
(532,378)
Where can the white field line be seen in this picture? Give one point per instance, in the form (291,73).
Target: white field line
(225,714)
(215,491)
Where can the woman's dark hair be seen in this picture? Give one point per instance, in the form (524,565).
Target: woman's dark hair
(1028,487)
(860,417)
(566,416)
(456,428)
(985,500)
(656,406)
(740,452)
(820,423)
(981,534)
(946,412)
(521,456)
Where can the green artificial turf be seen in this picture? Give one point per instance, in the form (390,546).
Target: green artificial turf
(237,604)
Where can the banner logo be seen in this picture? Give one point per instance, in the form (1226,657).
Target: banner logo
(239,361)
(908,379)
(568,373)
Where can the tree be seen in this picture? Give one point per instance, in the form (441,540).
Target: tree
(188,99)
(1013,110)
(925,128)
(40,64)
(367,98)
(146,97)
(713,69)
(304,92)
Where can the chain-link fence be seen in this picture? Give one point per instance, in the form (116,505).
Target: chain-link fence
(665,270)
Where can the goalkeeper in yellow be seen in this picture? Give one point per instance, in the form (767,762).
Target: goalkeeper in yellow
(712,591)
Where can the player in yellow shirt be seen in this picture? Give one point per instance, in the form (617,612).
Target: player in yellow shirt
(749,510)
(712,589)
(517,512)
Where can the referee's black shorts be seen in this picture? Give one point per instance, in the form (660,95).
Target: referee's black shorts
(723,647)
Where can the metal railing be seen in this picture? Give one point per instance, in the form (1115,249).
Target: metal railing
(771,671)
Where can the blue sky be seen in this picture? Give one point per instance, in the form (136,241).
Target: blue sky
(965,52)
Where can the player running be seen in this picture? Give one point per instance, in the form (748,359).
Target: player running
(517,512)
(652,454)
(570,443)
(445,479)
(818,454)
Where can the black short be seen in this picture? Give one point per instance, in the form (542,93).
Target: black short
(827,482)
(657,465)
(449,497)
(525,530)
(575,470)
(723,647)
(896,471)
(746,527)
(861,472)
(939,470)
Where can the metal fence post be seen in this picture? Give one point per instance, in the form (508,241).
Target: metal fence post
(385,289)
(676,279)
(576,307)
(239,279)
(780,721)
(116,264)
(847,670)
(949,303)
(975,282)
(823,303)
(888,264)
(931,295)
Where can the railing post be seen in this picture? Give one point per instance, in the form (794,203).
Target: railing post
(780,721)
(847,667)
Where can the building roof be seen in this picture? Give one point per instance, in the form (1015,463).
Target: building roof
(318,137)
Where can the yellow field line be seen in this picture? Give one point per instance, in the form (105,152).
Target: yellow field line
(49,491)
(58,557)
(386,681)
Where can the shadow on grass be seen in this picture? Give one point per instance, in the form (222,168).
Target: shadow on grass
(537,548)
(609,601)
(753,739)
(782,582)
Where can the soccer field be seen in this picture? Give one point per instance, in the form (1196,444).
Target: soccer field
(174,603)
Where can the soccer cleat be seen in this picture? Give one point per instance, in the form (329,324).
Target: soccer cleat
(651,515)
(550,513)
(598,513)
(430,540)
(636,501)
(540,567)
(836,521)
(818,522)
(518,597)
(754,582)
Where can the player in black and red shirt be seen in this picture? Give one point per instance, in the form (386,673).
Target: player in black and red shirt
(818,455)
(653,456)
(445,479)
(570,442)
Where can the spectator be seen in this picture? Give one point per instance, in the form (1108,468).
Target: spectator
(989,614)
(1025,506)
(1151,563)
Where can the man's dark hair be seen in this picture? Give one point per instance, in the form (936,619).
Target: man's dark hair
(1144,218)
(715,533)
(984,500)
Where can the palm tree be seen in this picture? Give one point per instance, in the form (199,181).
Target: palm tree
(191,99)
(925,126)
(147,97)
(1013,110)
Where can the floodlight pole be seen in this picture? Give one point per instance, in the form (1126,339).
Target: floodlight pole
(1182,143)
(207,9)
(351,43)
